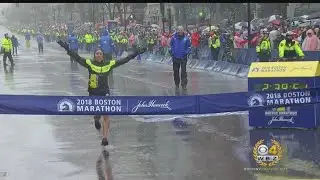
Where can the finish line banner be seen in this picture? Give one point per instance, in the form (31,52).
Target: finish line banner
(153,105)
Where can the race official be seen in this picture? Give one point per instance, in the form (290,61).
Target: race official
(263,48)
(73,44)
(289,48)
(107,46)
(214,45)
(6,48)
(180,47)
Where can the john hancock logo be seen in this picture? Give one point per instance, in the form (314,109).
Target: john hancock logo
(65,105)
(151,104)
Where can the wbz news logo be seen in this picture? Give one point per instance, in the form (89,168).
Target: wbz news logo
(267,156)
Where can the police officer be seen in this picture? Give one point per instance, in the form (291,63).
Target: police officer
(289,48)
(263,49)
(6,48)
(180,47)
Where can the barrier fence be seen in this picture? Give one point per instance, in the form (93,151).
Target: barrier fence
(152,105)
(235,63)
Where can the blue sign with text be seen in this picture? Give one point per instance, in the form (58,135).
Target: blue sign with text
(284,115)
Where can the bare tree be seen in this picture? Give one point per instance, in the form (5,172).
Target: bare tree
(111,9)
(120,11)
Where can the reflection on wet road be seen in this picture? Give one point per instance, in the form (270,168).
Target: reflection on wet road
(143,147)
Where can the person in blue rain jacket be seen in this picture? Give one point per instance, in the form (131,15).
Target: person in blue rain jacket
(106,45)
(73,44)
(40,40)
(180,47)
(15,44)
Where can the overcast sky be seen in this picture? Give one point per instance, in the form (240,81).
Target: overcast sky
(3,5)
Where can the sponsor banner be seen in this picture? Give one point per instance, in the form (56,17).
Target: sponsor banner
(284,69)
(90,105)
(156,105)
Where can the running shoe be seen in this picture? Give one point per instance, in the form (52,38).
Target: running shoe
(97,122)
(104,142)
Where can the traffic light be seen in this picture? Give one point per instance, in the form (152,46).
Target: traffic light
(202,16)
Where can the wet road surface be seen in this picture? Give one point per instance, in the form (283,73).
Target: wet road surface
(214,147)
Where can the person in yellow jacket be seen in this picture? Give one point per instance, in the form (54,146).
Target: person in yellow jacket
(214,45)
(88,40)
(290,49)
(263,49)
(6,48)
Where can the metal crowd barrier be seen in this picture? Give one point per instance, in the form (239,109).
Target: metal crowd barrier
(237,65)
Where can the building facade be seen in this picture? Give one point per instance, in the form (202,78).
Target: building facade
(153,14)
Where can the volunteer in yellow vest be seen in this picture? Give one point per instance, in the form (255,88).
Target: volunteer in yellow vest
(264,48)
(81,41)
(6,48)
(124,43)
(151,42)
(290,49)
(88,40)
(98,79)
(214,45)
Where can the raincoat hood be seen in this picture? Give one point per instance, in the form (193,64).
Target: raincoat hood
(310,31)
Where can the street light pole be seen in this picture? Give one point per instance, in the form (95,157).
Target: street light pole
(249,25)
(103,15)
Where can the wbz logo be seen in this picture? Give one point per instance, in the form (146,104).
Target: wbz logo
(267,154)
(267,158)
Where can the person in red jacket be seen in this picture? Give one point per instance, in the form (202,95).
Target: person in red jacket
(195,42)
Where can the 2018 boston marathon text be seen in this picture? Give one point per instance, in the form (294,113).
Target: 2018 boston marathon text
(287,98)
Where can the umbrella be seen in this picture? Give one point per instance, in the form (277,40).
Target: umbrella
(316,23)
(212,28)
(314,16)
(242,24)
(274,17)
(155,26)
(305,24)
(255,21)
(263,21)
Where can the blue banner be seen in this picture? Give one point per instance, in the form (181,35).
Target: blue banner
(153,105)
